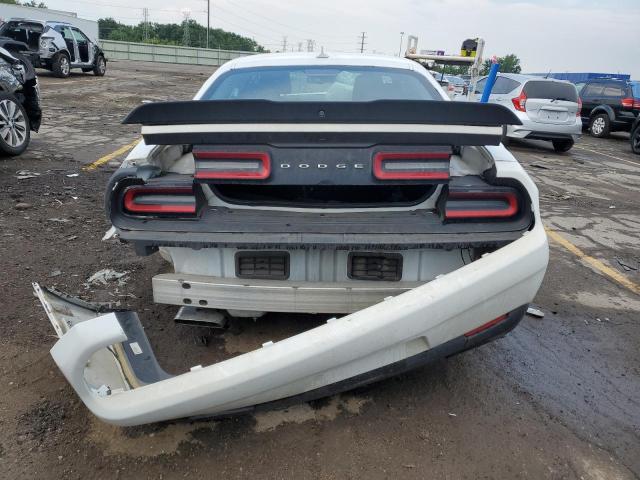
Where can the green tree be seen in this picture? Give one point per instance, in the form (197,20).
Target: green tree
(452,69)
(30,3)
(172,34)
(508,64)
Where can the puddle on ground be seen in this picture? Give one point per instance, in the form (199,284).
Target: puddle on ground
(267,421)
(133,442)
(622,301)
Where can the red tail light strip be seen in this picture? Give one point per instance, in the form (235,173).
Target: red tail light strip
(176,200)
(627,102)
(486,326)
(509,197)
(418,166)
(232,165)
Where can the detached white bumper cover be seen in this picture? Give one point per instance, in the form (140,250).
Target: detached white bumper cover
(108,360)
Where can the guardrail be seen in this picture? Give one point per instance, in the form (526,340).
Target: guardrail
(147,52)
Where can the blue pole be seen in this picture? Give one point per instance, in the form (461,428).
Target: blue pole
(491,81)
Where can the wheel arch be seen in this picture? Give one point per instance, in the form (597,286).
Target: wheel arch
(603,109)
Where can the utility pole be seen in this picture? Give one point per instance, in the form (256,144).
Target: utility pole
(310,45)
(186,36)
(284,44)
(401,37)
(145,25)
(362,38)
(208,20)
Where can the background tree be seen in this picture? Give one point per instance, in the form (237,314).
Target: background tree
(30,3)
(172,34)
(508,64)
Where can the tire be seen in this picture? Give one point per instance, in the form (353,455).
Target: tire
(100,68)
(15,131)
(635,141)
(562,146)
(600,125)
(61,66)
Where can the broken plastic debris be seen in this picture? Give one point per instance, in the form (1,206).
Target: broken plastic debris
(71,175)
(24,174)
(109,234)
(107,275)
(534,312)
(452,414)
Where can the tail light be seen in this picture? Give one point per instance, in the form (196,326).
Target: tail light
(579,112)
(636,103)
(232,165)
(411,165)
(627,102)
(486,326)
(480,205)
(158,200)
(520,102)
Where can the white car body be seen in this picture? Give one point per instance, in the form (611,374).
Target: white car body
(444,308)
(541,118)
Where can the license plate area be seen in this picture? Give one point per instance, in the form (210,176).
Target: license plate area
(553,115)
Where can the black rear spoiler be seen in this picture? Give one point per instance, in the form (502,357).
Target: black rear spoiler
(261,121)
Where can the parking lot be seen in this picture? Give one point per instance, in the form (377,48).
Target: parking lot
(556,398)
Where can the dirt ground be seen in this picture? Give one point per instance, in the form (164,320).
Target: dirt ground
(559,397)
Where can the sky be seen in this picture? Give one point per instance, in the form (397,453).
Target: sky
(547,35)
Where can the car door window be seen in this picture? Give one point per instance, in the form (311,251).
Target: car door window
(79,36)
(613,90)
(480,85)
(504,85)
(592,90)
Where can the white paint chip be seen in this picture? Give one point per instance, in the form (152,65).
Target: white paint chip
(135,348)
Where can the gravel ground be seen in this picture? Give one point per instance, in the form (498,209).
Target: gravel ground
(556,398)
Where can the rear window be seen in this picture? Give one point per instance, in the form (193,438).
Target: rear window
(635,86)
(308,84)
(551,90)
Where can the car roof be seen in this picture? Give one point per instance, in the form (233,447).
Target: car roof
(25,20)
(328,59)
(602,80)
(523,77)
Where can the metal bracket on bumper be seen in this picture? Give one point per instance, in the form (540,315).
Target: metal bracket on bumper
(108,360)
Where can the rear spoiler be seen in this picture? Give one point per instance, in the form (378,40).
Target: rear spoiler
(405,122)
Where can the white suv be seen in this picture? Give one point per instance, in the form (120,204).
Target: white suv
(549,109)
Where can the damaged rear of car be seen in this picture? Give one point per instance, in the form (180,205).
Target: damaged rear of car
(346,185)
(20,111)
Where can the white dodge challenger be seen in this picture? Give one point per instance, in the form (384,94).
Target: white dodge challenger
(334,184)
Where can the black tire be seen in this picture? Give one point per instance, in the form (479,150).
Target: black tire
(100,67)
(562,146)
(600,125)
(61,66)
(15,130)
(635,140)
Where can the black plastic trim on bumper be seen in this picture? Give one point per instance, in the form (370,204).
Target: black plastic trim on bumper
(446,350)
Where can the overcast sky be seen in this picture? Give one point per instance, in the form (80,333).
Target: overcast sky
(556,35)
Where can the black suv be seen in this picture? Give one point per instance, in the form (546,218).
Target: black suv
(609,105)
